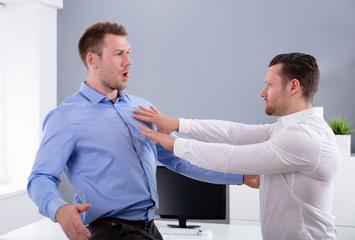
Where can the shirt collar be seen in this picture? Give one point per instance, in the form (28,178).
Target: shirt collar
(301,116)
(96,97)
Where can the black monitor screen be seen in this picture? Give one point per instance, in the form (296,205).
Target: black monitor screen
(184,198)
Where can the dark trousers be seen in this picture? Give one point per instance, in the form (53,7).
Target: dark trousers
(122,231)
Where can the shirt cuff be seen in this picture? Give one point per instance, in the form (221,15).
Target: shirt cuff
(180,145)
(184,125)
(237,179)
(53,207)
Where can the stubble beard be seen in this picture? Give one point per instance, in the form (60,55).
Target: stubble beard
(269,110)
(275,108)
(114,83)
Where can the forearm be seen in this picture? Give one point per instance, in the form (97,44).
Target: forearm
(277,155)
(224,131)
(186,168)
(56,147)
(206,175)
(249,159)
(44,193)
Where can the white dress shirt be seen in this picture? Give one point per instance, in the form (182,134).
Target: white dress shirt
(296,157)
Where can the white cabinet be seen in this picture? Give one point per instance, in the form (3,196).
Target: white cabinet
(244,201)
(344,193)
(244,204)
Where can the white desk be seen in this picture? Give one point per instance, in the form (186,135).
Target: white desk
(47,230)
(211,231)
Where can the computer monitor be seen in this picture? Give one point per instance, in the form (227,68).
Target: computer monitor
(184,198)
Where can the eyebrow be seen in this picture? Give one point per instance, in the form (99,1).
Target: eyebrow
(122,50)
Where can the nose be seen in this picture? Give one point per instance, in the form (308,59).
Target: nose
(263,93)
(126,61)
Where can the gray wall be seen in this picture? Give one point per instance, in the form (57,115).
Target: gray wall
(208,58)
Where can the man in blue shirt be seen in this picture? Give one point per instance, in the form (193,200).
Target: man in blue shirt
(93,137)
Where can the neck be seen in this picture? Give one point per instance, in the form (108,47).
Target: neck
(300,106)
(112,94)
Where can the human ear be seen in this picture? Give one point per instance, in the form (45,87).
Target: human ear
(91,60)
(294,86)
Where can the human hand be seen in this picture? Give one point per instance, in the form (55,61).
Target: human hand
(165,125)
(252,181)
(165,140)
(68,216)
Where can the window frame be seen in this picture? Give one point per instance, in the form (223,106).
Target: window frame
(3,177)
(36,83)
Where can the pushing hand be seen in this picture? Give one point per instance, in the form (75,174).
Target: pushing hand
(165,140)
(165,124)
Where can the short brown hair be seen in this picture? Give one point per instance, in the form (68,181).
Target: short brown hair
(92,38)
(302,67)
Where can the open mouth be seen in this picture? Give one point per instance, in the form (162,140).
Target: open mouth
(125,75)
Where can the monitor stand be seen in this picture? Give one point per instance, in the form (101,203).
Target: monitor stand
(182,224)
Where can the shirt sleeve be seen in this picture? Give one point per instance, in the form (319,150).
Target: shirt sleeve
(184,167)
(218,131)
(55,149)
(293,149)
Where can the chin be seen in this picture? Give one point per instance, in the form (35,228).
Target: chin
(269,111)
(121,87)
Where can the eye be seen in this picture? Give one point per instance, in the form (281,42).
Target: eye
(118,54)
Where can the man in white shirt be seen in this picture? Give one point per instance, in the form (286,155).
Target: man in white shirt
(296,157)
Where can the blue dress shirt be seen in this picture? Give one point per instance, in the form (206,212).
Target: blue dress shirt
(106,158)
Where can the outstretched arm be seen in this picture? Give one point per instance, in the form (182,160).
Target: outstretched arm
(184,167)
(216,131)
(167,142)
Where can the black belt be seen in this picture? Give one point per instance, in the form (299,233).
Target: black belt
(113,221)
